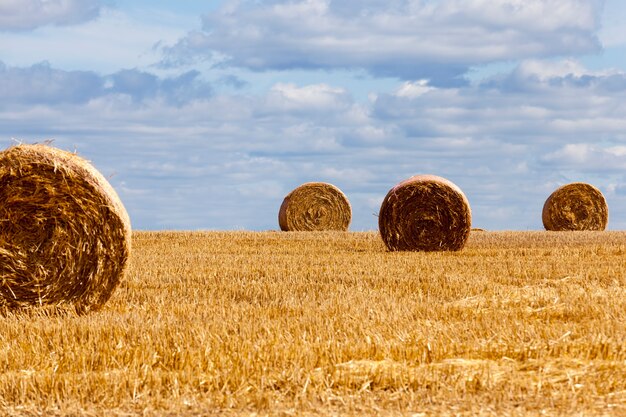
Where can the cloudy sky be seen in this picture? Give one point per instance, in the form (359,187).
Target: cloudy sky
(204,114)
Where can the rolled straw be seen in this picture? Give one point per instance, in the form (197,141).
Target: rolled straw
(65,236)
(576,206)
(425,213)
(315,206)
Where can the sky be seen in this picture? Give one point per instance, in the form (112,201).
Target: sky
(205,114)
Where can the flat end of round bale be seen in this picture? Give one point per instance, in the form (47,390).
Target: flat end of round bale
(65,236)
(315,206)
(425,213)
(574,207)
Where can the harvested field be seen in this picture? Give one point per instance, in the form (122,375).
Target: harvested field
(327,323)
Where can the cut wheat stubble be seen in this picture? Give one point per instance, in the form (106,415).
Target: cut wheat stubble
(65,236)
(425,213)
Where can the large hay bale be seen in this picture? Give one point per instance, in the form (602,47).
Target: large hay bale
(576,206)
(315,206)
(425,213)
(65,236)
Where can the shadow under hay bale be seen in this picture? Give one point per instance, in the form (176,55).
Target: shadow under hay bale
(576,206)
(65,236)
(425,213)
(315,206)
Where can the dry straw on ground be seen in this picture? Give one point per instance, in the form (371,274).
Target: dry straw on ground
(65,236)
(315,206)
(576,206)
(425,213)
(330,324)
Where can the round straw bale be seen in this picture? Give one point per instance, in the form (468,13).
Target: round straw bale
(576,206)
(65,236)
(315,206)
(425,213)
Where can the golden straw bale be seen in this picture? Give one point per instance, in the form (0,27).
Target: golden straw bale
(65,237)
(575,206)
(315,206)
(425,213)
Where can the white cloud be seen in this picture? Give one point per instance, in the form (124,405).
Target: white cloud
(535,15)
(225,160)
(413,89)
(617,150)
(30,14)
(589,157)
(318,97)
(544,70)
(41,84)
(437,40)
(572,153)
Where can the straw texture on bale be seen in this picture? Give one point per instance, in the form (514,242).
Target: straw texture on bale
(425,213)
(576,206)
(315,206)
(65,236)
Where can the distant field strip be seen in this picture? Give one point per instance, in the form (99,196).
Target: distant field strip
(518,323)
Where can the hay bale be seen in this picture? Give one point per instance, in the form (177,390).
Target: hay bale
(576,206)
(315,206)
(425,213)
(65,236)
